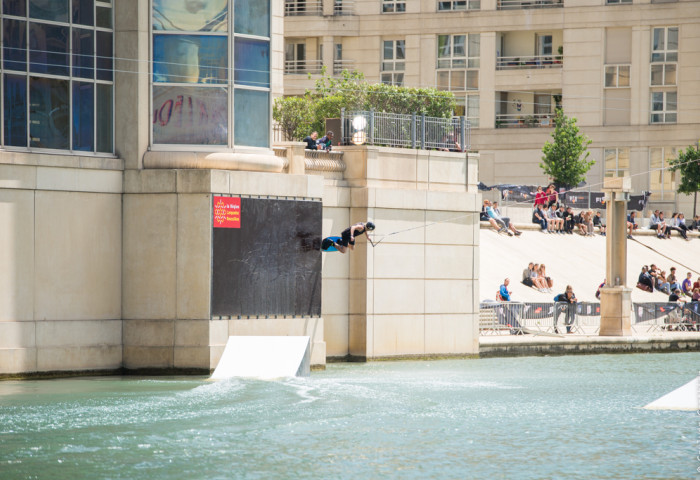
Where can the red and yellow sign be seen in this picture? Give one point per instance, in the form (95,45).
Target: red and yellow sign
(227,212)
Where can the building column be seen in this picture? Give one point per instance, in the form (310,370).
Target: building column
(328,45)
(616,297)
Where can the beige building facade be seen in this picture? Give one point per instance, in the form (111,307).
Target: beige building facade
(628,71)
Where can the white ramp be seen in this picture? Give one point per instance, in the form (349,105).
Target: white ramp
(264,357)
(684,398)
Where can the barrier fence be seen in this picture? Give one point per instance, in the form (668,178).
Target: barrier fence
(404,131)
(517,318)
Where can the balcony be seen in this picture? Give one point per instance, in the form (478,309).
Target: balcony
(298,67)
(531,61)
(516,120)
(340,65)
(303,8)
(526,4)
(344,7)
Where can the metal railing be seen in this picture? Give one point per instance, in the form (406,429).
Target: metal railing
(649,317)
(302,66)
(582,318)
(518,120)
(405,131)
(344,7)
(303,7)
(529,61)
(522,4)
(547,317)
(340,65)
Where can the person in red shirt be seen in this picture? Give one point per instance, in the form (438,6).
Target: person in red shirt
(540,197)
(552,196)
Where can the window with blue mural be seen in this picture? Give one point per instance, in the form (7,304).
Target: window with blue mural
(211,65)
(57,75)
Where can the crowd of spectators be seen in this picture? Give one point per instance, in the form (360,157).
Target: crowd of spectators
(652,278)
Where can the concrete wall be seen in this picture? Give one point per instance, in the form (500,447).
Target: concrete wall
(60,264)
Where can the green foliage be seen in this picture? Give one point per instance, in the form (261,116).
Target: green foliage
(565,159)
(688,163)
(295,115)
(299,116)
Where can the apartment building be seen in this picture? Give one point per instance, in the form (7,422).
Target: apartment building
(627,70)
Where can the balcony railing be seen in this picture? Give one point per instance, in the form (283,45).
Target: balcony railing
(533,61)
(344,7)
(340,65)
(302,66)
(522,4)
(303,7)
(518,120)
(405,131)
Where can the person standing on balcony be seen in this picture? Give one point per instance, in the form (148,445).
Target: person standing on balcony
(311,141)
(326,141)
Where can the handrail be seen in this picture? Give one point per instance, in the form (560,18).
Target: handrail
(524,120)
(302,66)
(523,4)
(295,8)
(529,61)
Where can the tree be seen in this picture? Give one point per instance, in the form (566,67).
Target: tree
(688,163)
(294,115)
(565,159)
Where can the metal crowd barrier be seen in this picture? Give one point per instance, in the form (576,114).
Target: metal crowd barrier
(547,317)
(670,316)
(516,318)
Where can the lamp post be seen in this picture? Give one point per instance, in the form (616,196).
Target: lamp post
(615,296)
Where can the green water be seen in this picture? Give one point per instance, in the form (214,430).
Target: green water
(533,417)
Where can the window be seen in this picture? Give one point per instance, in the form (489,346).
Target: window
(664,44)
(664,56)
(392,6)
(617,162)
(57,75)
(663,107)
(295,58)
(617,76)
(468,106)
(194,55)
(458,62)
(662,181)
(543,45)
(618,2)
(393,62)
(459,5)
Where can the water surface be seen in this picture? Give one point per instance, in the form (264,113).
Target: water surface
(530,417)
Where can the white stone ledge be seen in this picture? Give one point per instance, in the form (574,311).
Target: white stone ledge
(251,162)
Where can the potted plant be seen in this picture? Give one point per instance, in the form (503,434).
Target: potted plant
(560,57)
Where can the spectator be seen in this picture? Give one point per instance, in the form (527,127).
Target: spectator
(661,284)
(687,285)
(540,197)
(676,296)
(696,284)
(311,141)
(539,217)
(504,292)
(597,292)
(486,218)
(527,281)
(542,273)
(674,224)
(580,223)
(539,282)
(326,141)
(552,196)
(656,222)
(505,220)
(599,222)
(569,223)
(672,280)
(695,224)
(631,224)
(644,282)
(696,294)
(554,223)
(588,218)
(566,302)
